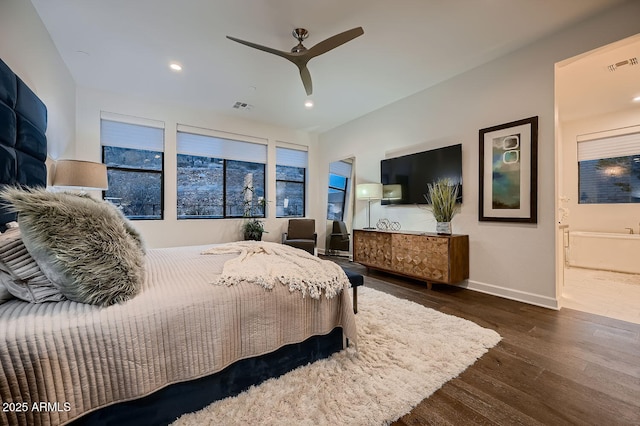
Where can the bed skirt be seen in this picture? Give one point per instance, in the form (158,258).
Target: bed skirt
(166,405)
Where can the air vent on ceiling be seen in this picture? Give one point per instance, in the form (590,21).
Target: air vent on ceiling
(630,61)
(243,106)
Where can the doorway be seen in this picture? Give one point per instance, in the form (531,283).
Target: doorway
(594,100)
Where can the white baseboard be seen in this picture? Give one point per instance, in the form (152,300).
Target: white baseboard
(508,293)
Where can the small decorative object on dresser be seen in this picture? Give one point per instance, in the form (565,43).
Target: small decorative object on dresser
(386,224)
(442,198)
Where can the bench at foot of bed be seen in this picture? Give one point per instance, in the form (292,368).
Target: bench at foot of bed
(356,281)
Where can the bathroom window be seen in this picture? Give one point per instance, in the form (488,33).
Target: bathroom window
(609,170)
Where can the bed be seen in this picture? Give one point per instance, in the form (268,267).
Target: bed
(180,343)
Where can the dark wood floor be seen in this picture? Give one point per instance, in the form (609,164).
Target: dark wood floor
(552,367)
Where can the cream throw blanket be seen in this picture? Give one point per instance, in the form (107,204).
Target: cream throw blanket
(266,263)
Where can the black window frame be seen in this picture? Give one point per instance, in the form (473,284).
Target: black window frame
(344,194)
(139,170)
(304,189)
(224,191)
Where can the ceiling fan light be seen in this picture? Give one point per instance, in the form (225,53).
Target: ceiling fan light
(308,104)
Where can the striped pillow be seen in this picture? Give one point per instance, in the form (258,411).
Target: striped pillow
(20,273)
(5,296)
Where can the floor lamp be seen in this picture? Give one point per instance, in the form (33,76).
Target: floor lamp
(369,192)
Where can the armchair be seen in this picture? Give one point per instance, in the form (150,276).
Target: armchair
(339,240)
(301,233)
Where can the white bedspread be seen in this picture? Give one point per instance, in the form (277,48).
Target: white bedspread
(75,358)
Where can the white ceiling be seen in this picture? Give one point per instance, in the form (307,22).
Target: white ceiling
(586,85)
(125,46)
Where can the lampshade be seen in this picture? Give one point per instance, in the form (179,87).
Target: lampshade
(392,192)
(80,175)
(369,191)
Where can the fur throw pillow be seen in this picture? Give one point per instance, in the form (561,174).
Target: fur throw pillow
(84,246)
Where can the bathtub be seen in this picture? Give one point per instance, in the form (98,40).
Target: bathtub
(601,250)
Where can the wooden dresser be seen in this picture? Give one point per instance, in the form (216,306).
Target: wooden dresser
(429,257)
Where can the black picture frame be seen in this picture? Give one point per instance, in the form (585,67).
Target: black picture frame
(508,189)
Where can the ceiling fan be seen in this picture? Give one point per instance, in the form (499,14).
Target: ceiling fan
(300,55)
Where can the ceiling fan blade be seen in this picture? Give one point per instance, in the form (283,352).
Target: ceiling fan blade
(333,42)
(286,55)
(301,57)
(306,80)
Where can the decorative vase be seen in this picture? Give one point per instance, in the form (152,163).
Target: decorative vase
(443,228)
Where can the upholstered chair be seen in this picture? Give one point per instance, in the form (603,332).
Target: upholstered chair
(339,240)
(301,233)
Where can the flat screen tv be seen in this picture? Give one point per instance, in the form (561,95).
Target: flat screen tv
(405,178)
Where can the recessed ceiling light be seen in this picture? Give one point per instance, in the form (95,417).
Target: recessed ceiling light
(308,104)
(636,99)
(175,66)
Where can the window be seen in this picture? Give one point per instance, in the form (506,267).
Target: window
(609,170)
(213,173)
(339,175)
(291,172)
(134,157)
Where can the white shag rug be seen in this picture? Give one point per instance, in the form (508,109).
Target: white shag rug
(405,353)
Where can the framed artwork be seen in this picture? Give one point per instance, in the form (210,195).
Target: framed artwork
(509,172)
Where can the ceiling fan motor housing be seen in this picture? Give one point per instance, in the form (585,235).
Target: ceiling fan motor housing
(299,34)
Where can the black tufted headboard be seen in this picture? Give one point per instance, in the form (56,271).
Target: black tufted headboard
(23,144)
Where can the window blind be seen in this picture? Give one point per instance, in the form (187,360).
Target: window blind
(340,168)
(610,147)
(216,147)
(127,135)
(291,157)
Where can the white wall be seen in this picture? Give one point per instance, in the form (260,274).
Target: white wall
(511,260)
(170,231)
(595,217)
(27,48)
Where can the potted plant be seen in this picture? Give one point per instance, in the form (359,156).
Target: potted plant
(253,228)
(442,200)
